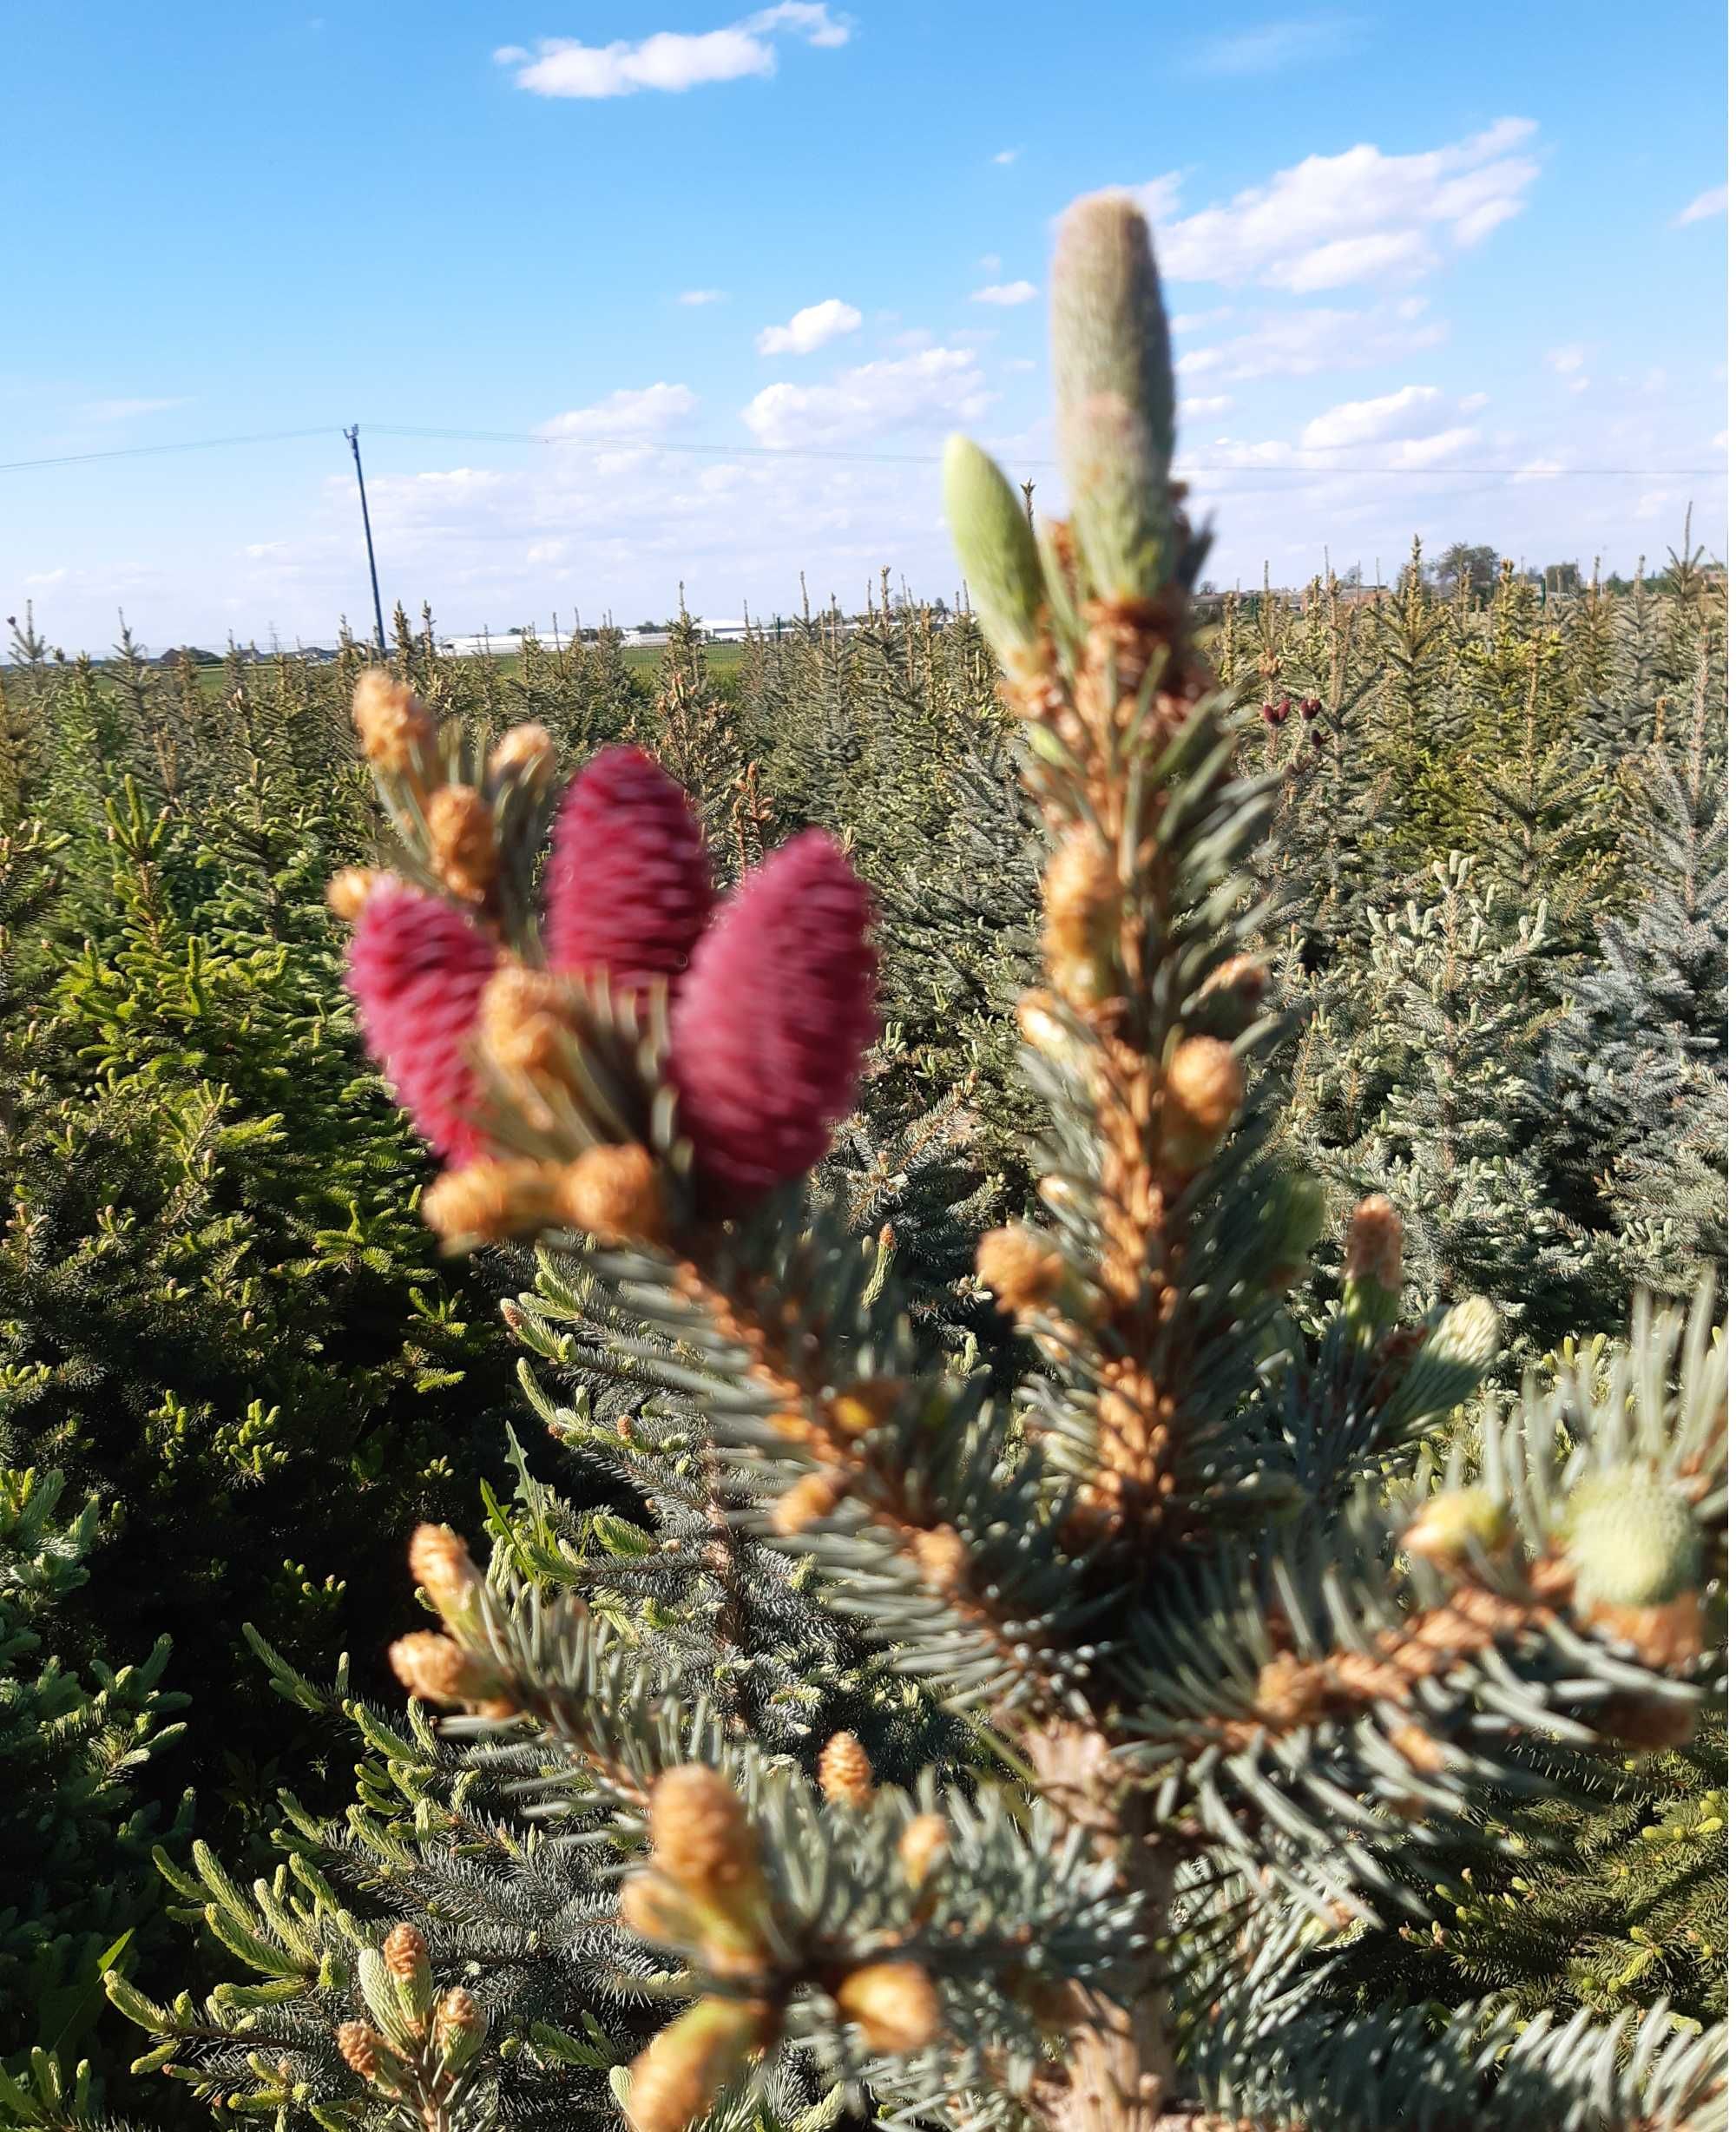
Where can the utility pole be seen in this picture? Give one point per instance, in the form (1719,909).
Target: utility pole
(353,434)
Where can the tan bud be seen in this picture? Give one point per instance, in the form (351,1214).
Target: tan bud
(405,1952)
(485,1202)
(701,1834)
(1042,1028)
(1246,975)
(1444,1528)
(1082,896)
(846,1775)
(441,1563)
(1374,1249)
(523,750)
(864,1405)
(893,2003)
(434,1667)
(815,1495)
(616,1195)
(923,1845)
(520,1021)
(1289,1692)
(1202,1091)
(349,889)
(362,2049)
(456,2014)
(1024,1273)
(391,723)
(676,2077)
(942,1557)
(655,1908)
(461,841)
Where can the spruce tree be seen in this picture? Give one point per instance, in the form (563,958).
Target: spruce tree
(1180,1676)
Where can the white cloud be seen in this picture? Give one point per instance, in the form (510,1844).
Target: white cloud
(1018,363)
(701,296)
(1005,292)
(990,262)
(1471,402)
(671,60)
(1361,422)
(810,329)
(1297,344)
(1539,469)
(1197,321)
(1208,404)
(125,409)
(1566,360)
(41,579)
(629,415)
(933,388)
(1009,156)
(1273,46)
(1331,220)
(1703,207)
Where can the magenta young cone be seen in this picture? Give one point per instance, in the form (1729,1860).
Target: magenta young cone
(628,884)
(418,967)
(767,1039)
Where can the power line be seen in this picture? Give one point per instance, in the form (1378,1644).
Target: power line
(136,452)
(823,454)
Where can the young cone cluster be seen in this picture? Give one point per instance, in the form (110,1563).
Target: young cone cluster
(760,1013)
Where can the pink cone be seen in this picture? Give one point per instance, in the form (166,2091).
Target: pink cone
(628,884)
(767,1039)
(417,968)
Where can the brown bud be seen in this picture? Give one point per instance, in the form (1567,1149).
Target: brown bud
(923,1845)
(846,1775)
(1289,1692)
(519,1022)
(362,2049)
(1202,1092)
(701,1834)
(1024,1272)
(485,1202)
(441,1563)
(390,722)
(1669,1635)
(1648,1722)
(458,2024)
(1245,976)
(405,1950)
(893,2003)
(1419,1747)
(815,1495)
(462,842)
(523,751)
(349,889)
(676,2077)
(616,1195)
(1082,896)
(1375,1247)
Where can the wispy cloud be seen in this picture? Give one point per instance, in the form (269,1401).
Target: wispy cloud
(1569,365)
(631,414)
(701,296)
(810,328)
(1006,293)
(1274,48)
(1297,344)
(1331,220)
(126,410)
(1361,422)
(672,60)
(1009,156)
(932,390)
(1703,207)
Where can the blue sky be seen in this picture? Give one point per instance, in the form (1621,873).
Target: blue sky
(720,283)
